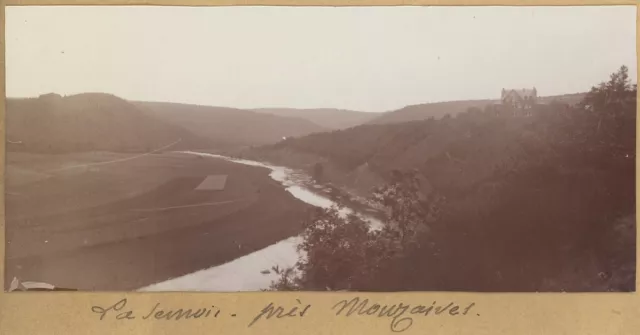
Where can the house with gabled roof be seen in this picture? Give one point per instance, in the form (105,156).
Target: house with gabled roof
(519,98)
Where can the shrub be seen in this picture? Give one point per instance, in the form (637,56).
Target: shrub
(341,251)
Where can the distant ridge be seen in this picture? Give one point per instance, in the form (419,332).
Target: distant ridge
(331,118)
(440,109)
(87,122)
(231,126)
(100,121)
(428,110)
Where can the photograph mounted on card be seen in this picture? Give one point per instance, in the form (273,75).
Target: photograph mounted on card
(340,149)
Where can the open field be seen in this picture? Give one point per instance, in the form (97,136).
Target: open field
(103,221)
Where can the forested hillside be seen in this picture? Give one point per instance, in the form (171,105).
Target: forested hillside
(541,200)
(230,127)
(440,109)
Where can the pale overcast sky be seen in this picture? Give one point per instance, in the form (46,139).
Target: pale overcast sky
(371,59)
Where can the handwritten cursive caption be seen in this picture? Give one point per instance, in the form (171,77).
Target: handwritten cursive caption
(401,315)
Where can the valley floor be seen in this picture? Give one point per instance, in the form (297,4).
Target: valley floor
(103,221)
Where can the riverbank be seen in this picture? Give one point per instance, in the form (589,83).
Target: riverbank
(126,225)
(254,272)
(354,189)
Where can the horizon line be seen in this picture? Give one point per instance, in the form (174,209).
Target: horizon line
(280,107)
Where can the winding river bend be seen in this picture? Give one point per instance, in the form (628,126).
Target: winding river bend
(245,273)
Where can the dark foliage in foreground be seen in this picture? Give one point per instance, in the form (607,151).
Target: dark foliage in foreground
(543,201)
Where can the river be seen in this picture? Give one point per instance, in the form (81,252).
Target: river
(246,273)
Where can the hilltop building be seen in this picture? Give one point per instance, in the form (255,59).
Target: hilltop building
(520,98)
(51,96)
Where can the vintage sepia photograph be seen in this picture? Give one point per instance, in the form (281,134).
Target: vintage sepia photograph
(372,149)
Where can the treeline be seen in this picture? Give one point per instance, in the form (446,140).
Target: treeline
(538,200)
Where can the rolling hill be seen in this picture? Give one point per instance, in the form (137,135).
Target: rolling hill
(532,203)
(428,110)
(87,122)
(440,109)
(482,143)
(234,127)
(330,118)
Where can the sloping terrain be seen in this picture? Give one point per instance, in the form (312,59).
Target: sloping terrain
(533,203)
(130,224)
(444,147)
(330,118)
(231,126)
(569,99)
(439,109)
(429,110)
(87,122)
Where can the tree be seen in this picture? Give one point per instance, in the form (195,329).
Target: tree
(473,111)
(604,124)
(612,97)
(337,253)
(340,251)
(287,279)
(408,210)
(318,172)
(589,149)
